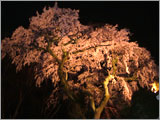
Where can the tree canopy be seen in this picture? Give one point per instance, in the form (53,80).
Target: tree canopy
(79,58)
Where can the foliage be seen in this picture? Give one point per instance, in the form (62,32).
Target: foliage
(78,58)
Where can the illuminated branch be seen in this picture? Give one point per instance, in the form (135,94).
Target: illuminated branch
(92,103)
(61,73)
(133,77)
(103,103)
(89,48)
(48,48)
(62,76)
(73,41)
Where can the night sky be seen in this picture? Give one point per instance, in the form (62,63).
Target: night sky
(141,18)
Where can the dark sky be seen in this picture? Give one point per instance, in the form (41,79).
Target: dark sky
(142,18)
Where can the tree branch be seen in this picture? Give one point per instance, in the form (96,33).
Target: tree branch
(72,40)
(62,76)
(99,110)
(89,48)
(92,103)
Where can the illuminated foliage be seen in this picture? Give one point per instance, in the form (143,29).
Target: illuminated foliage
(80,58)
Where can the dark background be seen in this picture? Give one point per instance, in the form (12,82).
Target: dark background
(141,18)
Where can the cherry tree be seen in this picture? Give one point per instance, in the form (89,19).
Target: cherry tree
(90,67)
